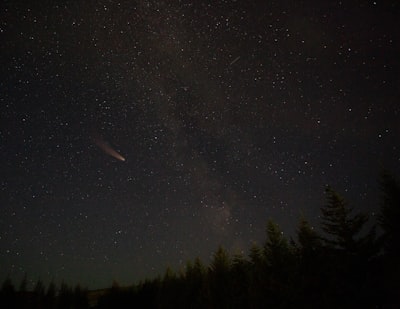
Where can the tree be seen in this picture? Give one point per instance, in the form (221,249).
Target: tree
(65,296)
(389,222)
(23,294)
(195,271)
(310,267)
(219,283)
(221,262)
(39,292)
(256,255)
(39,288)
(390,214)
(50,298)
(24,283)
(280,265)
(7,286)
(341,227)
(257,276)
(308,239)
(277,250)
(194,282)
(240,281)
(80,297)
(347,253)
(7,294)
(169,275)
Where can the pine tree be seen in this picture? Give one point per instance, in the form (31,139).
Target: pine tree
(280,261)
(389,222)
(276,249)
(346,256)
(221,262)
(310,267)
(50,298)
(24,283)
(256,255)
(65,296)
(80,299)
(194,279)
(343,228)
(308,239)
(219,282)
(7,294)
(390,214)
(240,281)
(195,270)
(23,299)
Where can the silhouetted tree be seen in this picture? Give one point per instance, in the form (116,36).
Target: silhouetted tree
(256,255)
(147,292)
(240,277)
(24,284)
(219,284)
(169,293)
(311,266)
(195,271)
(120,297)
(390,223)
(342,228)
(80,299)
(308,239)
(346,255)
(280,261)
(23,296)
(276,248)
(221,262)
(195,279)
(7,294)
(65,296)
(39,293)
(50,297)
(258,276)
(390,215)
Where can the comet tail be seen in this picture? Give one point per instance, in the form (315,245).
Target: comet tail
(107,149)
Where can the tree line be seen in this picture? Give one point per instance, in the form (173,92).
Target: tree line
(351,263)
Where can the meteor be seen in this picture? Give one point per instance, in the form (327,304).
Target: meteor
(107,149)
(234,60)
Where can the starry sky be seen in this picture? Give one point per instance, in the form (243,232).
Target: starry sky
(224,114)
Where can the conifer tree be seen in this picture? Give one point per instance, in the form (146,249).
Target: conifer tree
(24,283)
(346,259)
(256,255)
(39,288)
(50,297)
(219,278)
(280,263)
(221,261)
(276,249)
(342,228)
(308,239)
(390,214)
(39,292)
(80,297)
(389,222)
(65,296)
(7,294)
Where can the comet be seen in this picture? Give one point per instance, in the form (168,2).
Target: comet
(107,149)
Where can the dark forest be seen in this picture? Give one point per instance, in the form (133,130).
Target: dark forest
(352,263)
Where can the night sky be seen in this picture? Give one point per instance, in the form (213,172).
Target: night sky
(140,134)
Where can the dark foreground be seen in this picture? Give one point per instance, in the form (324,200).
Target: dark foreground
(347,265)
